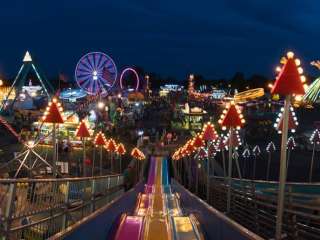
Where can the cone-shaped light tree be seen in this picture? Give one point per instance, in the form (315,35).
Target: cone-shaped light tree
(271,148)
(315,140)
(289,82)
(120,151)
(54,115)
(292,121)
(83,132)
(111,147)
(100,141)
(139,156)
(233,119)
(291,144)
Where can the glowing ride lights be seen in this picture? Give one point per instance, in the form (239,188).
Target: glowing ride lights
(54,115)
(100,105)
(249,95)
(231,118)
(135,74)
(292,121)
(83,132)
(289,82)
(100,141)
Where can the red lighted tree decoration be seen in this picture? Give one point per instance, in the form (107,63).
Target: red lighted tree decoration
(289,82)
(54,115)
(120,151)
(111,147)
(290,79)
(198,141)
(100,141)
(83,132)
(209,133)
(231,118)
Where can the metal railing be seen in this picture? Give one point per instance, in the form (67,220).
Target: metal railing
(254,205)
(40,208)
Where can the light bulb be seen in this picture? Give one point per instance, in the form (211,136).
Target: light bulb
(290,54)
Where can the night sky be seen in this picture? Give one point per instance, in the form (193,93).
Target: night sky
(170,37)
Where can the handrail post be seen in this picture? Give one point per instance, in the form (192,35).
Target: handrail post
(9,209)
(93,192)
(66,202)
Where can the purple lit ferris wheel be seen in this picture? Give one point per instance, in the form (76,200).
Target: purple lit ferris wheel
(96,73)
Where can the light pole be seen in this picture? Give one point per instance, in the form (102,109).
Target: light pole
(288,82)
(231,118)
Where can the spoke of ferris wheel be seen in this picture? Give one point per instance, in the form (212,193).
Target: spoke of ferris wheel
(22,164)
(87,61)
(41,158)
(14,159)
(99,61)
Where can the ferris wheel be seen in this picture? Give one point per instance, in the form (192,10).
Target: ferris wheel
(96,73)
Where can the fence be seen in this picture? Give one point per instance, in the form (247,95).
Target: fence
(254,205)
(39,208)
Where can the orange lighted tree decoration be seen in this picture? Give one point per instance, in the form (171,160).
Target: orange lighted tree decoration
(83,132)
(100,141)
(120,151)
(139,156)
(289,82)
(111,147)
(233,119)
(54,115)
